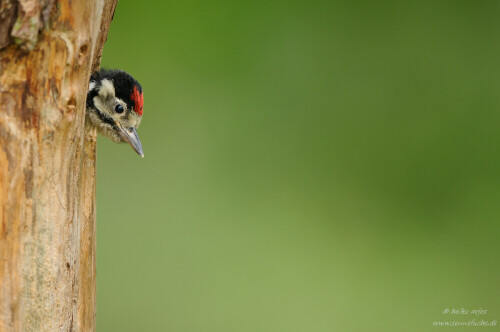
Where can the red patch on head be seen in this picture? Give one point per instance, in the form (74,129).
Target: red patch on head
(138,99)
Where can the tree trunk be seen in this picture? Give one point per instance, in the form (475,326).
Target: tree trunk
(47,163)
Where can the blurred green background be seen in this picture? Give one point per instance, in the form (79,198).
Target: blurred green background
(309,166)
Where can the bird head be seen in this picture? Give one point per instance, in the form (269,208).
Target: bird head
(114,106)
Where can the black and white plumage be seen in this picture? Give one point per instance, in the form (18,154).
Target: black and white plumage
(115,105)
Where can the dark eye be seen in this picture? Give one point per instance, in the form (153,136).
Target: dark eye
(119,108)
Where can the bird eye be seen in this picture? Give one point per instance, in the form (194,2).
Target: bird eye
(119,108)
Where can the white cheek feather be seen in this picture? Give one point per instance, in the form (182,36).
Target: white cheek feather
(99,103)
(103,128)
(91,86)
(107,89)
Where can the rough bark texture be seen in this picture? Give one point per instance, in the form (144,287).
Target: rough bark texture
(47,163)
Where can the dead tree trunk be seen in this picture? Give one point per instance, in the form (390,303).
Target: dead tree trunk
(47,163)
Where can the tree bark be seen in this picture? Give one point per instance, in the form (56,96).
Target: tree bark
(47,163)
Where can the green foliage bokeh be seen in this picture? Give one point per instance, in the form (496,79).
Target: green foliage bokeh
(309,166)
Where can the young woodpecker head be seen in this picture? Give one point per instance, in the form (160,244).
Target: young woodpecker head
(114,106)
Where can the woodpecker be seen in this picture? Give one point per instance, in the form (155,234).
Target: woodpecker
(114,106)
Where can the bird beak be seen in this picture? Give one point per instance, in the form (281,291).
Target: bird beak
(130,136)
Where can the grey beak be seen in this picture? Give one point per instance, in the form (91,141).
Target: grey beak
(130,136)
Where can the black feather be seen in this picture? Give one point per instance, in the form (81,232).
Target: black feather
(123,82)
